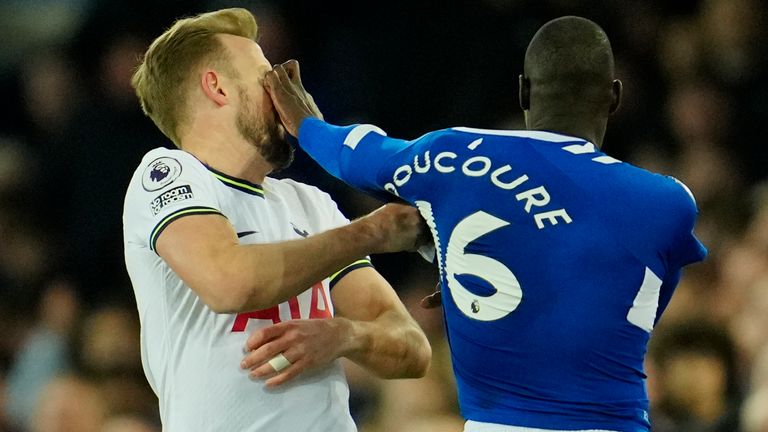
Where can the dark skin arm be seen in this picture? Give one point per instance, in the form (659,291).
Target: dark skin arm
(294,104)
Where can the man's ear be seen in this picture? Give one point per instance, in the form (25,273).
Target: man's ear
(213,87)
(525,93)
(617,91)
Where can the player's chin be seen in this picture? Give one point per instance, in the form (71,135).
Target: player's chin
(281,133)
(282,154)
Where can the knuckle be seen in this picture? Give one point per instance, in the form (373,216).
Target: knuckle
(294,338)
(300,351)
(272,351)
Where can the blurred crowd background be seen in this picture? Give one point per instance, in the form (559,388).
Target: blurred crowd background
(71,134)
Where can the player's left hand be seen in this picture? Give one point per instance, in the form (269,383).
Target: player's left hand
(433,300)
(306,344)
(292,102)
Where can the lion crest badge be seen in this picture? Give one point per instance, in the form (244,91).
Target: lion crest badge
(160,173)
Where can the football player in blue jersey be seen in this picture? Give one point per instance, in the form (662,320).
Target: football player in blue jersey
(556,260)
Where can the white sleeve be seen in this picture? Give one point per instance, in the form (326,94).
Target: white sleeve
(168,185)
(336,219)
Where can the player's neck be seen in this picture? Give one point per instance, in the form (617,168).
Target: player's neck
(228,153)
(571,124)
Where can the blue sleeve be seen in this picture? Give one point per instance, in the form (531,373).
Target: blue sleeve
(668,286)
(686,248)
(357,154)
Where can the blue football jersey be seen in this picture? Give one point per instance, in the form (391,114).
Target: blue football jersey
(556,260)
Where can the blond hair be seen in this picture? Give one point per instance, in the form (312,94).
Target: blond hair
(162,79)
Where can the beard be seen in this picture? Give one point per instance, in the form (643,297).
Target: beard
(269,137)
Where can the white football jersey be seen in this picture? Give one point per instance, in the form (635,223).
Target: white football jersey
(191,355)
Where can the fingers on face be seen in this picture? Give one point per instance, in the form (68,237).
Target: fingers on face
(282,75)
(272,80)
(292,69)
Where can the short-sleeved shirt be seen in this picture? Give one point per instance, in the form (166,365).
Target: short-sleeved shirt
(191,355)
(556,260)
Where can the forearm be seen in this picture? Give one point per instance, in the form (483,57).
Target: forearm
(323,142)
(269,274)
(391,346)
(354,154)
(231,278)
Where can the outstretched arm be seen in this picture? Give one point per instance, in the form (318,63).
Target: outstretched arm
(356,154)
(230,278)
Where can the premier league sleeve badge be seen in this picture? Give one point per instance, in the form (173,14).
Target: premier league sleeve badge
(160,173)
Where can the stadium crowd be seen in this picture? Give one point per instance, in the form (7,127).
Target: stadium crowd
(696,81)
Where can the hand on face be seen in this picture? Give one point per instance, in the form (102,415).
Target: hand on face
(292,102)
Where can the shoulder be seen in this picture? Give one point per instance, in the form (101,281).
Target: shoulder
(509,141)
(513,134)
(672,193)
(665,188)
(161,153)
(670,197)
(679,187)
(164,170)
(319,209)
(161,167)
(303,191)
(681,197)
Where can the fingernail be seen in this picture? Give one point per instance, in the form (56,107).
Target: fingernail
(243,365)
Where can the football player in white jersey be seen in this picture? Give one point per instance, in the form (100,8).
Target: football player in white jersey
(233,270)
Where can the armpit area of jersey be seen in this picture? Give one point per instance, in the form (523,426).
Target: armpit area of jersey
(178,214)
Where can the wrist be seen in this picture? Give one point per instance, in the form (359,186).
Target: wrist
(352,339)
(367,234)
(301,121)
(304,121)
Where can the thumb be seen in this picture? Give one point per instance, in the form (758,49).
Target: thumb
(269,79)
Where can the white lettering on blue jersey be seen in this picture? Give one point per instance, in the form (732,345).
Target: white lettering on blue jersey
(555,259)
